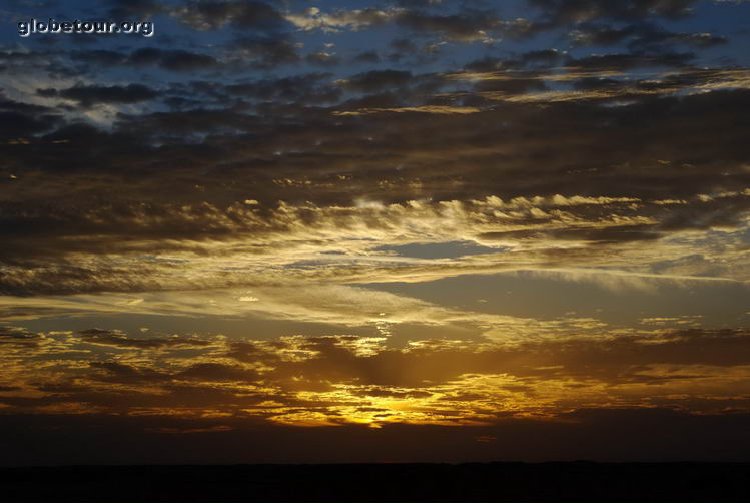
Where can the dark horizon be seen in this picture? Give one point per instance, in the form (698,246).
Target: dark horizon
(604,436)
(579,482)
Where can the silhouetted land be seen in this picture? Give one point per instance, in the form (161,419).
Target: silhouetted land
(402,483)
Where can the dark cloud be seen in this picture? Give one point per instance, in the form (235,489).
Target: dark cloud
(642,36)
(119,339)
(216,372)
(173,60)
(627,61)
(574,11)
(311,88)
(210,15)
(19,125)
(377,80)
(627,359)
(468,25)
(367,57)
(89,95)
(265,52)
(17,337)
(121,373)
(322,58)
(119,201)
(19,120)
(538,59)
(142,9)
(104,57)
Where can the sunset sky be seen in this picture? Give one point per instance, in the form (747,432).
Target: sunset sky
(398,230)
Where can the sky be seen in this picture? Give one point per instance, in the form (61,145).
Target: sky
(375,231)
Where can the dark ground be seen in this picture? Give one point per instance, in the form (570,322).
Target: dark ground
(398,483)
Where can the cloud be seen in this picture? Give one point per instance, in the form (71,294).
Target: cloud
(465,26)
(347,379)
(377,80)
(216,372)
(89,95)
(119,339)
(135,8)
(565,11)
(322,58)
(173,60)
(355,19)
(267,52)
(536,233)
(428,109)
(204,15)
(641,37)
